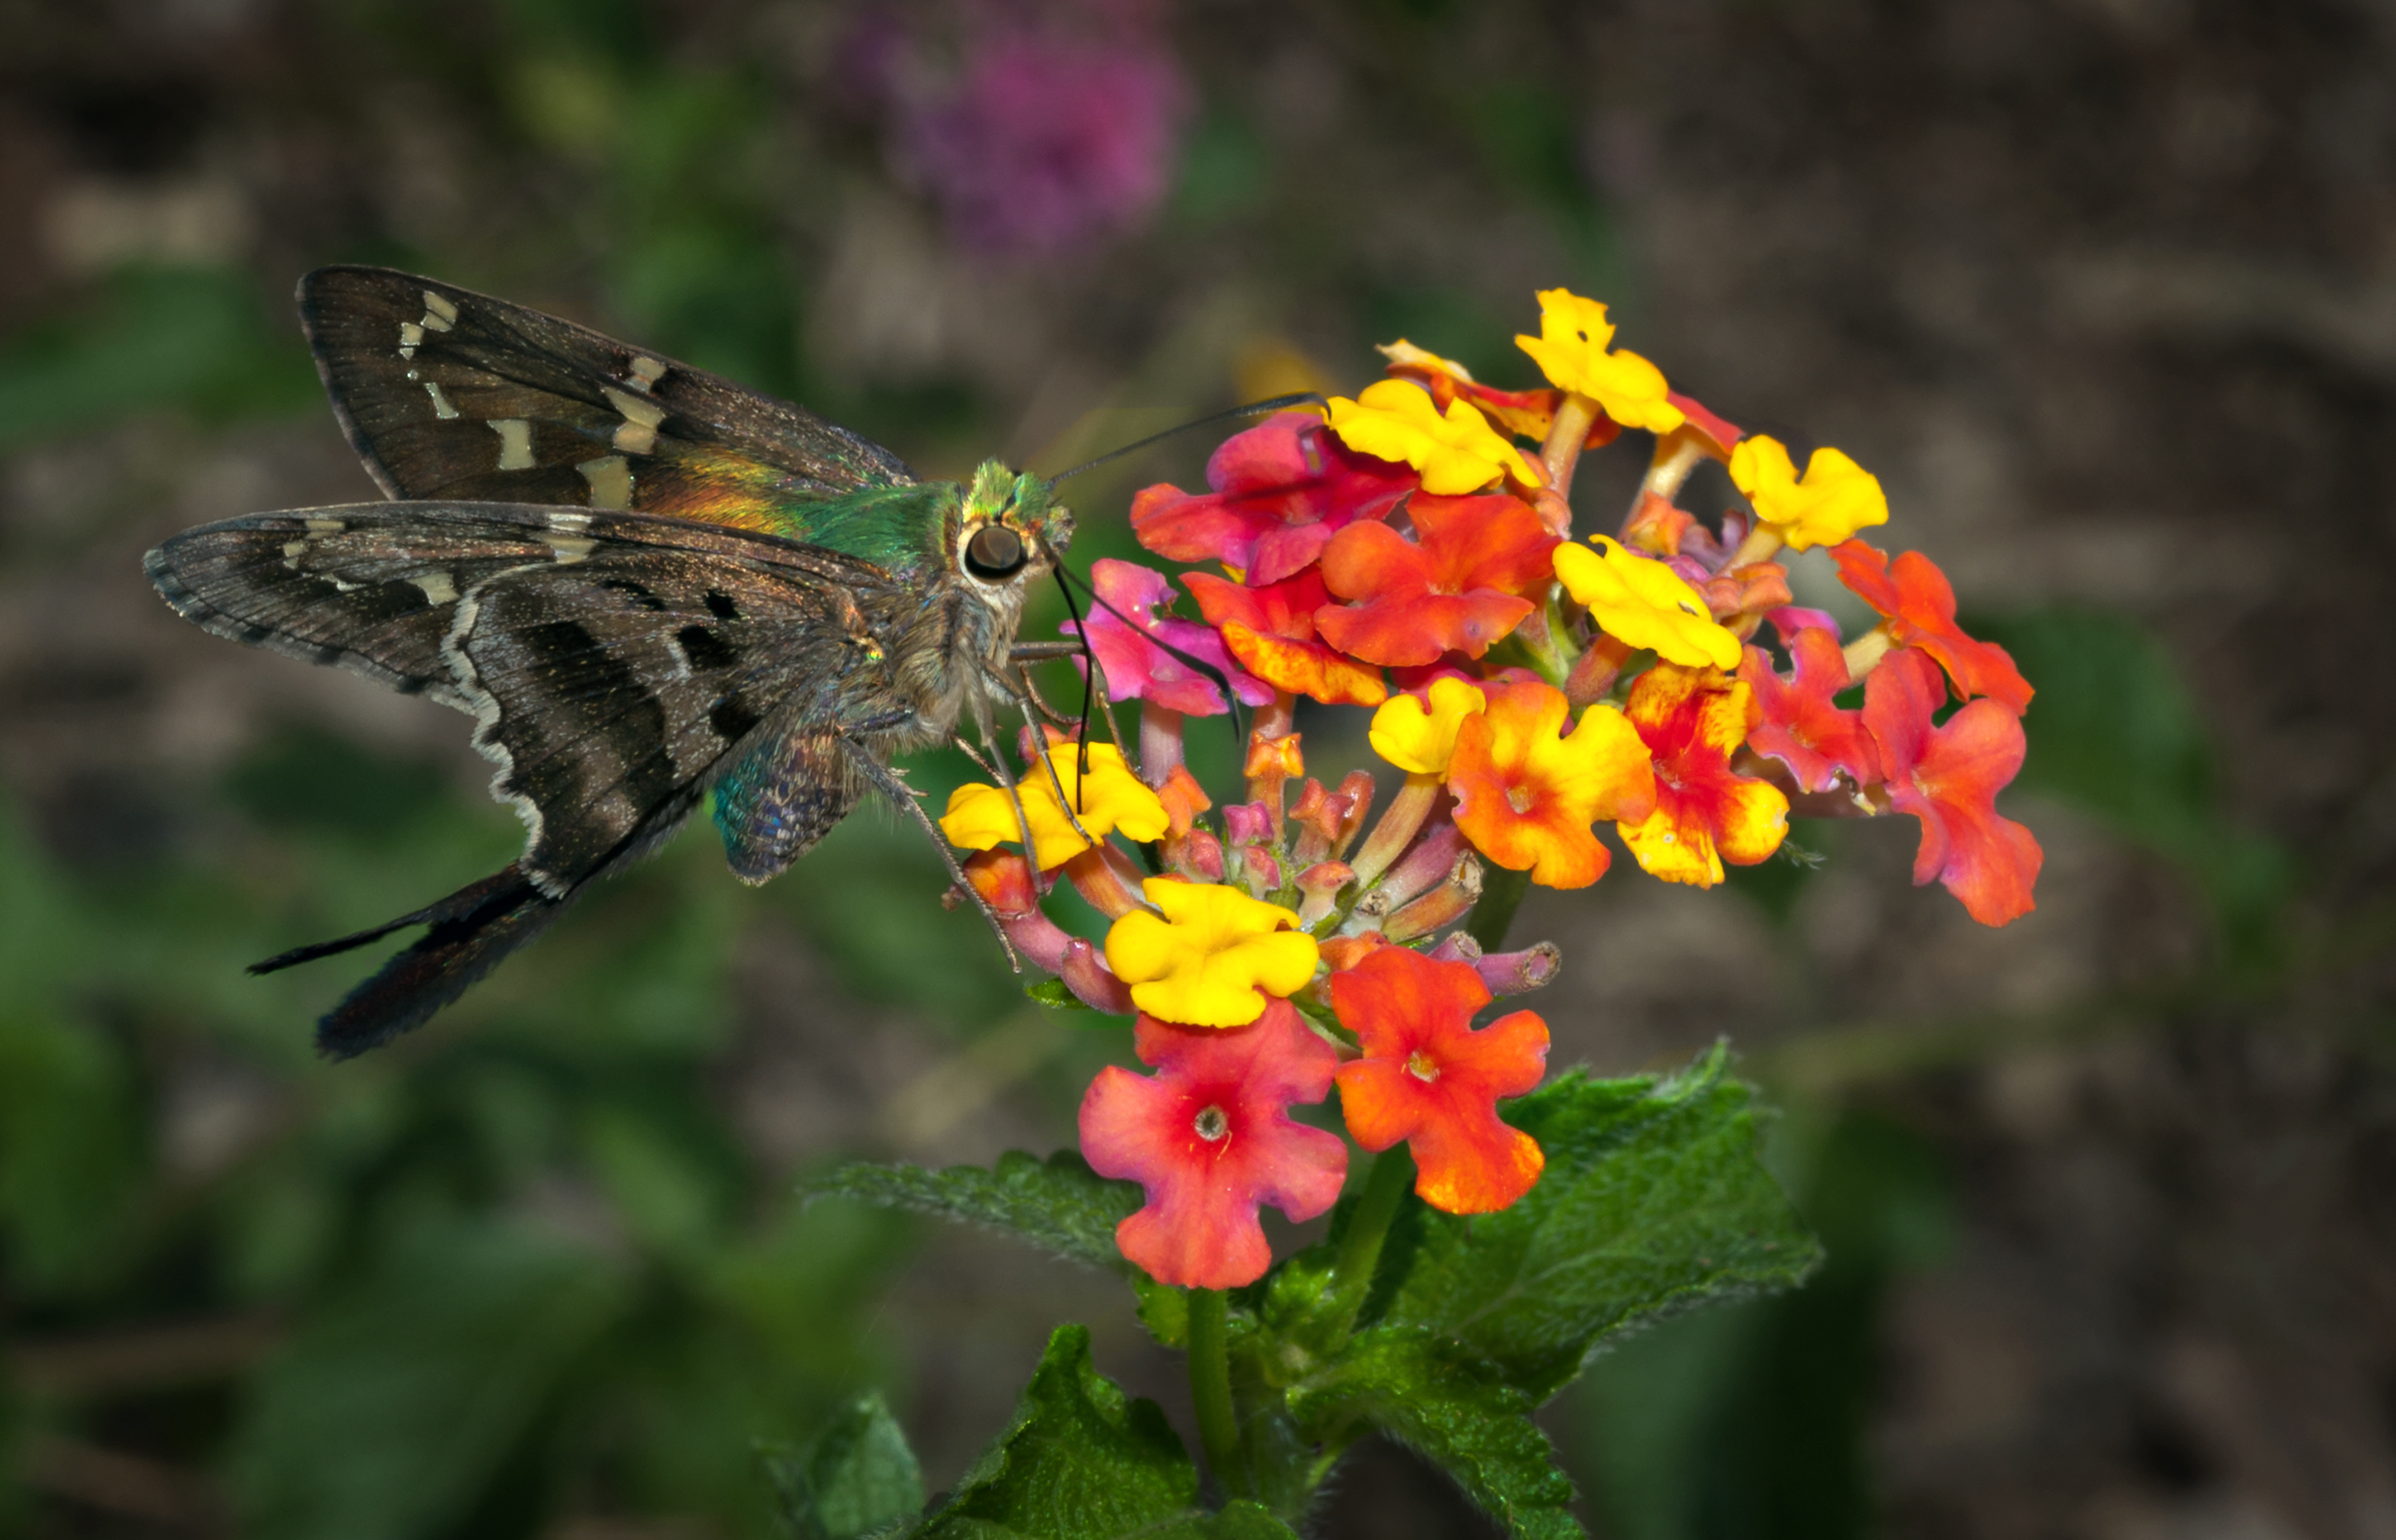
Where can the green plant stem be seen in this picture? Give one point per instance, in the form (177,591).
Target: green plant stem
(1501,894)
(1210,1387)
(1360,1248)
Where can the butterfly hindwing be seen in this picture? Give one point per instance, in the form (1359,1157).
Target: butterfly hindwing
(781,797)
(446,393)
(622,681)
(614,662)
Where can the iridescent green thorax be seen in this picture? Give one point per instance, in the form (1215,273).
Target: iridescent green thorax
(913,529)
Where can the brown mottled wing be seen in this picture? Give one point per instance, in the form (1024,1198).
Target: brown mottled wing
(614,662)
(450,394)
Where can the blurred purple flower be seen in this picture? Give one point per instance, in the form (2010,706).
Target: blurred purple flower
(1044,141)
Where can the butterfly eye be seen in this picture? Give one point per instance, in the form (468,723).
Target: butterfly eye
(996,551)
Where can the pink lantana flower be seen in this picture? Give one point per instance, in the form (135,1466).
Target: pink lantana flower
(1135,667)
(1949,777)
(1210,1138)
(1803,727)
(1281,490)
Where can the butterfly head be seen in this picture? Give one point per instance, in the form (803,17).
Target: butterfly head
(1011,529)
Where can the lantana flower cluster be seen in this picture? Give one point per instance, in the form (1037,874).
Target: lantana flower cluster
(1410,553)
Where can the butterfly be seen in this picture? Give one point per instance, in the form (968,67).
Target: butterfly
(645,583)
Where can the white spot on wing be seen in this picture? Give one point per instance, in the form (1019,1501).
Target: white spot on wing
(610,479)
(292,552)
(411,337)
(638,434)
(645,372)
(680,669)
(439,314)
(573,523)
(439,587)
(441,407)
(325,526)
(515,443)
(569,549)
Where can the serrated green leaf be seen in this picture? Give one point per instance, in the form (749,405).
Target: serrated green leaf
(1080,1462)
(1058,1204)
(1459,1412)
(854,1478)
(1241,1520)
(1653,1201)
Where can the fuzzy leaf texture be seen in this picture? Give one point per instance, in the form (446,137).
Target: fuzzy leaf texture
(856,1476)
(1653,1201)
(1459,1414)
(1058,1204)
(1082,1461)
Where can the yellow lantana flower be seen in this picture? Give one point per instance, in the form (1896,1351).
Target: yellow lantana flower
(1571,350)
(1457,454)
(1835,499)
(1643,602)
(1213,958)
(1421,742)
(979,817)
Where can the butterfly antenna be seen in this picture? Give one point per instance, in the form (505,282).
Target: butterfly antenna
(1089,685)
(1222,681)
(1254,408)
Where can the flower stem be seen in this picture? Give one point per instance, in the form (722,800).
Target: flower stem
(1360,1248)
(1501,894)
(1210,1387)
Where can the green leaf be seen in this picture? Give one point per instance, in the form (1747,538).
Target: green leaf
(854,1477)
(1653,1201)
(1462,1414)
(1164,1309)
(1080,1462)
(1058,1204)
(394,1407)
(1052,993)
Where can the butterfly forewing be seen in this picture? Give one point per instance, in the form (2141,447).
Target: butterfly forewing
(614,662)
(451,394)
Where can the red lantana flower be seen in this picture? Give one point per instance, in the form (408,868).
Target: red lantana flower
(1210,1138)
(1135,667)
(1920,605)
(1270,630)
(1692,720)
(1802,726)
(1280,491)
(1457,587)
(1949,777)
(1428,1078)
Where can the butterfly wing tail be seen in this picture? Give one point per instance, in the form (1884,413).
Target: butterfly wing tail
(469,933)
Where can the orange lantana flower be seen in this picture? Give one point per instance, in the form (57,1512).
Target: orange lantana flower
(1428,1078)
(1692,720)
(1526,793)
(1270,630)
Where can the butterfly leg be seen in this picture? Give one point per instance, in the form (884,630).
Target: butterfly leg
(887,780)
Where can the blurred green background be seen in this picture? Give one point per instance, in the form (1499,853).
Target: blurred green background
(2102,290)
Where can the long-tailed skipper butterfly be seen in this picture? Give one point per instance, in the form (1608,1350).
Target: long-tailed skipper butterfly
(642,582)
